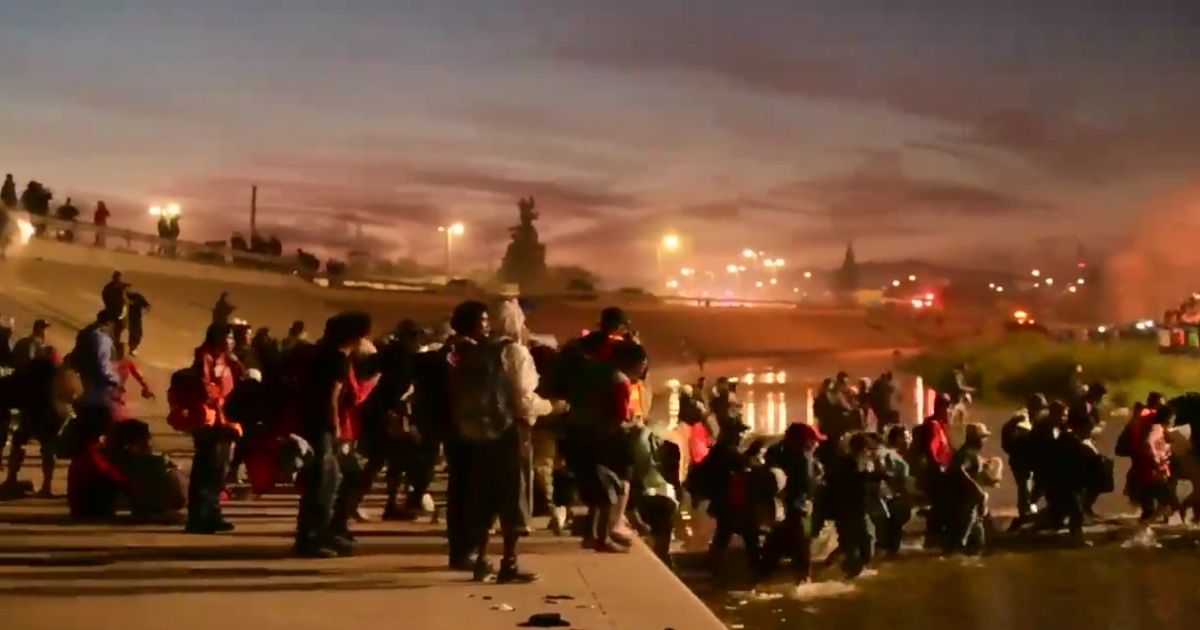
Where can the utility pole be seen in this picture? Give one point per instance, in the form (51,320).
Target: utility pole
(253,211)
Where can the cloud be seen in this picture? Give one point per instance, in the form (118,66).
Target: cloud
(1027,93)
(578,198)
(881,187)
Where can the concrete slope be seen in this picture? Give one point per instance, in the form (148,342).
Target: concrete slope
(63,282)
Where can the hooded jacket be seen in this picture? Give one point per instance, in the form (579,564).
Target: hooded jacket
(520,371)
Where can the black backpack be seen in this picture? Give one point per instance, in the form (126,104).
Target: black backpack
(481,398)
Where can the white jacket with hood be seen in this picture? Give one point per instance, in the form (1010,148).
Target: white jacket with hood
(508,322)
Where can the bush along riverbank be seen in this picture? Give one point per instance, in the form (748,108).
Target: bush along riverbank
(1010,369)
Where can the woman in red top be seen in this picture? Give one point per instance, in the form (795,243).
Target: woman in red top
(1148,480)
(212,433)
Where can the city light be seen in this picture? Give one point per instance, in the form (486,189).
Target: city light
(1049,282)
(749,253)
(672,284)
(992,286)
(999,289)
(895,283)
(687,272)
(1071,289)
(155,211)
(779,263)
(1079,281)
(912,278)
(774,281)
(172,210)
(759,284)
(731,268)
(25,230)
(1036,273)
(808,275)
(451,231)
(670,242)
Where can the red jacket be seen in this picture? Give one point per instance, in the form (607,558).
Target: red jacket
(218,374)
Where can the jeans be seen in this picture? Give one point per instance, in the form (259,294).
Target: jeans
(209,464)
(890,529)
(320,479)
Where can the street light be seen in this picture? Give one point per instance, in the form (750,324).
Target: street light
(731,268)
(912,278)
(1036,273)
(1049,282)
(808,275)
(451,231)
(172,210)
(156,211)
(669,243)
(687,272)
(749,253)
(895,283)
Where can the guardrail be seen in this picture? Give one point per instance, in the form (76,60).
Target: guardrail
(222,253)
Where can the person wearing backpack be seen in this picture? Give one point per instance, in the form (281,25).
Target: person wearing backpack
(214,373)
(1016,439)
(493,383)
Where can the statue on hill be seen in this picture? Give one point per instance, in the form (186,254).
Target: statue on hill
(525,259)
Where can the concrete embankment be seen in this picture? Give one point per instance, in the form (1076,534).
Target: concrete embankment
(62,283)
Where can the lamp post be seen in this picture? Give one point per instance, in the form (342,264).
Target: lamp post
(451,231)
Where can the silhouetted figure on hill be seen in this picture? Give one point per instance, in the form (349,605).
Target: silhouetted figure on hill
(67,212)
(100,220)
(222,310)
(8,193)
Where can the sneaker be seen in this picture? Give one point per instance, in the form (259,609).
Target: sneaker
(510,573)
(341,546)
(465,564)
(314,552)
(609,546)
(483,571)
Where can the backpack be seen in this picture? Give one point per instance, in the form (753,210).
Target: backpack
(482,407)
(185,392)
(1124,446)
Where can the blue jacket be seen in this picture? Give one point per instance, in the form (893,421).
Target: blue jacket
(93,358)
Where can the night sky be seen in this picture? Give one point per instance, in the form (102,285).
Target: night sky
(788,126)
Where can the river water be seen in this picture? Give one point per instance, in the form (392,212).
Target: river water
(1124,580)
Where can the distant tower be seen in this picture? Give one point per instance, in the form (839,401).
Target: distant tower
(847,277)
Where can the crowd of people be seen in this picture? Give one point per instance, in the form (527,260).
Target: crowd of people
(526,426)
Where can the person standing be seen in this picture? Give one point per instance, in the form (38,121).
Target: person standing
(138,305)
(495,404)
(93,359)
(100,220)
(882,400)
(796,456)
(433,403)
(32,347)
(1017,441)
(222,310)
(115,296)
(326,369)
(295,337)
(214,372)
(8,193)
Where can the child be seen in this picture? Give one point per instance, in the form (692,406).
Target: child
(126,369)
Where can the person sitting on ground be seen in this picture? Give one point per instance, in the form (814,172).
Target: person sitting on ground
(151,481)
